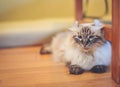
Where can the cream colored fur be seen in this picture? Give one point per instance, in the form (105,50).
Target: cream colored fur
(64,51)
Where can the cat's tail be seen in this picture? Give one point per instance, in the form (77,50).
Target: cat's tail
(46,49)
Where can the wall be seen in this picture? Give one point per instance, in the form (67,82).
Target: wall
(13,10)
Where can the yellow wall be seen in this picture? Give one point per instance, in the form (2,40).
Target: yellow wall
(12,10)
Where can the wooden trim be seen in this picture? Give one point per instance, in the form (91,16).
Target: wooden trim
(78,10)
(116,41)
(108,32)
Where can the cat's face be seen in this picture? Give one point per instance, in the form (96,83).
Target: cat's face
(88,38)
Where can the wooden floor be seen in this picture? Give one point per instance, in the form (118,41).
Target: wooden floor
(25,67)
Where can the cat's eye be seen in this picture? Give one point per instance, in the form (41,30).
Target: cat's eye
(80,37)
(91,38)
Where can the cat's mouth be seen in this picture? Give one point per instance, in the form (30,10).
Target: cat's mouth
(85,48)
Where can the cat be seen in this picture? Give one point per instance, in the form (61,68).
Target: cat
(82,48)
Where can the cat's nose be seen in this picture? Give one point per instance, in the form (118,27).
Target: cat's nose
(85,46)
(86,43)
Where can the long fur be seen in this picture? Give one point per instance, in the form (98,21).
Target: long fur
(65,49)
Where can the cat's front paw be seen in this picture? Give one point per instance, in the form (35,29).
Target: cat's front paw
(75,69)
(99,69)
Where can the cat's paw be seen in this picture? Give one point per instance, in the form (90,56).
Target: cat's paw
(99,69)
(45,50)
(75,69)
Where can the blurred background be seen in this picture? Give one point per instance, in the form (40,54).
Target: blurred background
(14,10)
(31,22)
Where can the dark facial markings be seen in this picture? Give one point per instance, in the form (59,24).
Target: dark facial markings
(86,37)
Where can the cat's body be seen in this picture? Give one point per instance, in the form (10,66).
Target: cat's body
(65,50)
(83,48)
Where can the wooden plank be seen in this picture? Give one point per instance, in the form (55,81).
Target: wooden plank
(108,32)
(116,41)
(78,10)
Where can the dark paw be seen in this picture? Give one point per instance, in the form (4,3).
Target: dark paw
(75,69)
(99,69)
(44,50)
(68,64)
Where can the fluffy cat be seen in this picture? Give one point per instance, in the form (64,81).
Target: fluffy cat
(83,48)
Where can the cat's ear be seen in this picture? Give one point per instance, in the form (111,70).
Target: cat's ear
(98,24)
(75,26)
